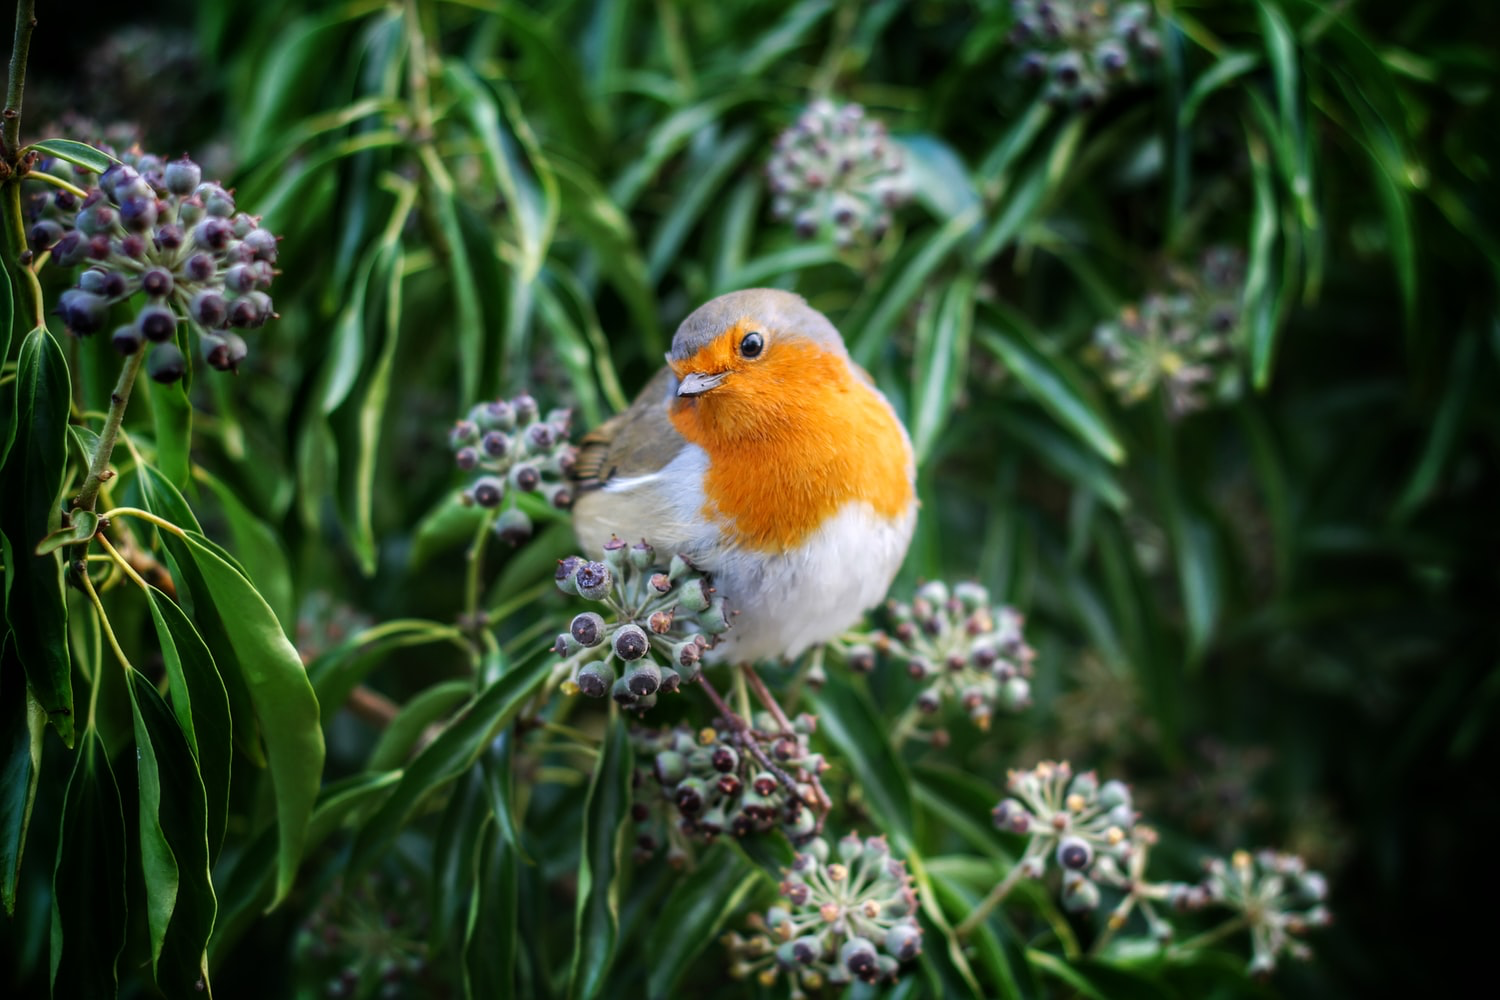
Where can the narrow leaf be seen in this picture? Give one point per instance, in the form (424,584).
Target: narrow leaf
(284,701)
(447,757)
(34,604)
(80,154)
(702,903)
(1052,388)
(22,724)
(599,871)
(88,883)
(201,705)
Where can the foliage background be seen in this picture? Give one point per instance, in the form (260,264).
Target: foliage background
(1273,617)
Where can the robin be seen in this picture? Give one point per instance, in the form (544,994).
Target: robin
(769,460)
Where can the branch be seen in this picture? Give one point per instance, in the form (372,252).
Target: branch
(10,119)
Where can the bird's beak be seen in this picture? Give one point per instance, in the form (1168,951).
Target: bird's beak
(697,383)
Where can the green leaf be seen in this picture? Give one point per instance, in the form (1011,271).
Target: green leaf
(847,719)
(173,414)
(1053,386)
(163,500)
(704,174)
(447,526)
(449,755)
(938,175)
(257,548)
(599,871)
(88,883)
(80,154)
(1064,454)
(527,184)
(201,705)
(1259,295)
(22,725)
(941,356)
(34,604)
(872,327)
(284,701)
(174,844)
(7,321)
(700,905)
(489,949)
(787,32)
(84,524)
(250,883)
(609,234)
(419,712)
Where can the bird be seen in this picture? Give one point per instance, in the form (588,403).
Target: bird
(763,455)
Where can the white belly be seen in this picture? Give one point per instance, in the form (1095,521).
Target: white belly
(787,603)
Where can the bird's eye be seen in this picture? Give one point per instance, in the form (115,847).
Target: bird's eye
(752,345)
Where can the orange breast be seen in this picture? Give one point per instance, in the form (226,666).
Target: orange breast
(792,440)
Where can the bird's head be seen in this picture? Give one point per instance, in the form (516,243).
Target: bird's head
(749,361)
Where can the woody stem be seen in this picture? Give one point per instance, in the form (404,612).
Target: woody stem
(763,695)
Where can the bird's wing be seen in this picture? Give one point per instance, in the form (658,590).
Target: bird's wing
(638,442)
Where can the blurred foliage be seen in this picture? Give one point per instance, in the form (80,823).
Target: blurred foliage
(1268,609)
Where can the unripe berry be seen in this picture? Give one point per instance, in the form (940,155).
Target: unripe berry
(513,526)
(644,678)
(182,176)
(212,233)
(216,201)
(70,249)
(903,941)
(44,235)
(83,312)
(596,678)
(859,957)
(563,576)
(138,214)
(166,364)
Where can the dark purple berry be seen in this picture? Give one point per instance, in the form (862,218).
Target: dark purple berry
(200,267)
(157,323)
(157,282)
(169,237)
(212,233)
(208,308)
(127,339)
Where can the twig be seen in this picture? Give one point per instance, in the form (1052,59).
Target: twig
(997,894)
(10,119)
(118,400)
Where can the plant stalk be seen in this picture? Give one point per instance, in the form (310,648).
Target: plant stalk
(118,400)
(988,903)
(10,118)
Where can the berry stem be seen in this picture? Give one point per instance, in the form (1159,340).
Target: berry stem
(475,566)
(10,119)
(763,694)
(118,400)
(1209,937)
(988,903)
